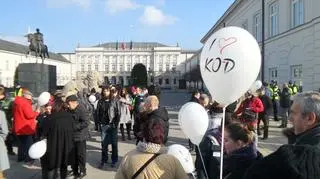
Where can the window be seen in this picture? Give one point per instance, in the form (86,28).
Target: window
(128,67)
(167,66)
(297,12)
(96,67)
(160,67)
(113,67)
(82,67)
(274,19)
(106,67)
(160,81)
(167,81)
(257,27)
(161,59)
(174,81)
(121,67)
(89,67)
(273,73)
(296,72)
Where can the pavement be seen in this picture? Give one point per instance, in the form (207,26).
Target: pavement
(173,102)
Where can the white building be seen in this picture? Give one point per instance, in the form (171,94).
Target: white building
(12,54)
(292,33)
(114,61)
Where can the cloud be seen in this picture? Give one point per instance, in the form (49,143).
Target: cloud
(160,2)
(114,6)
(16,39)
(85,4)
(155,17)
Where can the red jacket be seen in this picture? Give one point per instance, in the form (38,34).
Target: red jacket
(255,104)
(24,118)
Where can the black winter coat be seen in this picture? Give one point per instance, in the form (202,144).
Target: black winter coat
(81,119)
(102,111)
(267,104)
(211,163)
(236,164)
(298,160)
(289,161)
(285,100)
(58,128)
(114,112)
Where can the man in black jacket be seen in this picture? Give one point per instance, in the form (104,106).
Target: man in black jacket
(81,134)
(154,113)
(299,159)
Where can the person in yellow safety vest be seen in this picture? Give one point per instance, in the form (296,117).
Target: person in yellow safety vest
(18,91)
(293,87)
(275,99)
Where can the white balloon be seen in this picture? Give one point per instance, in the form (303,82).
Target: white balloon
(38,149)
(92,98)
(256,85)
(230,63)
(44,98)
(194,121)
(183,155)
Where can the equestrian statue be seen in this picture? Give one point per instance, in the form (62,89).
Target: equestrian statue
(37,45)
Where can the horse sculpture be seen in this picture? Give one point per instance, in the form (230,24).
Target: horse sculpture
(40,49)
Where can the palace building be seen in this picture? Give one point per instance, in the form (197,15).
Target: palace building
(115,60)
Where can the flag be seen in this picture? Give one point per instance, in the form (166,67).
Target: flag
(117,45)
(131,45)
(123,46)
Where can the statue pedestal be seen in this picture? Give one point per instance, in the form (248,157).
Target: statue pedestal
(37,77)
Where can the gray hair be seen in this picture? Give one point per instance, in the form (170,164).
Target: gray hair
(309,102)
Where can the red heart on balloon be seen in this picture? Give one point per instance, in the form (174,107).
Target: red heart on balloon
(223,43)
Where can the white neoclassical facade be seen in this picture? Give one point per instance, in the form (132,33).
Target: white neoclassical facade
(12,54)
(114,61)
(292,37)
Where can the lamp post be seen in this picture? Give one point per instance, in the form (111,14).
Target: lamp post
(151,75)
(262,41)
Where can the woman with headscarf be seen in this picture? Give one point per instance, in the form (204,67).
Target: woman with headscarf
(149,159)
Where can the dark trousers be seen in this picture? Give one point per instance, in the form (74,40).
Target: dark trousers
(79,157)
(265,119)
(275,109)
(128,128)
(9,142)
(109,135)
(24,143)
(57,173)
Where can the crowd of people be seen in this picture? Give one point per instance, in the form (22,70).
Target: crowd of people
(242,158)
(64,122)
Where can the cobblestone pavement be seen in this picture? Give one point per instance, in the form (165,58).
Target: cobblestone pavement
(173,102)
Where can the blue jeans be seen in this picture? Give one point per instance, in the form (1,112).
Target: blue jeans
(109,135)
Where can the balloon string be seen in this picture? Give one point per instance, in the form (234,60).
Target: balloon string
(204,167)
(222,142)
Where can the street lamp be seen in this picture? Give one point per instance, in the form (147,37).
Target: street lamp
(151,75)
(262,42)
